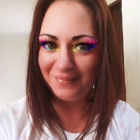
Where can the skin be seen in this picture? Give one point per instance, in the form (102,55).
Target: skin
(77,71)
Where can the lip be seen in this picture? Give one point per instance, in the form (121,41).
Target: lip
(61,79)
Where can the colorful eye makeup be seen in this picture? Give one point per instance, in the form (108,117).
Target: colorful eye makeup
(85,46)
(80,47)
(48,45)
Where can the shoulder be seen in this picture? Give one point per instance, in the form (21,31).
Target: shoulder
(11,117)
(127,120)
(124,110)
(14,109)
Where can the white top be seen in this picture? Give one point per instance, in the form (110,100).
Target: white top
(15,125)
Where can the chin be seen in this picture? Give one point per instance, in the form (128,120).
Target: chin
(66,95)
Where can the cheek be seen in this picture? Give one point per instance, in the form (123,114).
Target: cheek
(89,64)
(45,61)
(89,68)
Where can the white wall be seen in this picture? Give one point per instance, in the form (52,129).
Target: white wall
(15,23)
(15,18)
(13,54)
(131,22)
(110,1)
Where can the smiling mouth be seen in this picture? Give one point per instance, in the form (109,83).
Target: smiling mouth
(62,81)
(65,80)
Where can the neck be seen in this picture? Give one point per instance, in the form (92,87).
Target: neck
(73,114)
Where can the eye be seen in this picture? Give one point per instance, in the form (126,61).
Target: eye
(50,46)
(84,47)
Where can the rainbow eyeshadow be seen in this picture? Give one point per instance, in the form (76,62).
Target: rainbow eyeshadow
(49,45)
(89,45)
(80,47)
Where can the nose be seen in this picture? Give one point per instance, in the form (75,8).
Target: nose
(64,60)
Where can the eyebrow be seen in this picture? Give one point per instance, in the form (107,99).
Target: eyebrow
(73,39)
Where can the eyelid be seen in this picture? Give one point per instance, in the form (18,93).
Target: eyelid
(45,42)
(90,43)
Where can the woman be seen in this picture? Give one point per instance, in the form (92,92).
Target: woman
(75,79)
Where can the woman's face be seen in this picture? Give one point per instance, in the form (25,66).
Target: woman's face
(69,53)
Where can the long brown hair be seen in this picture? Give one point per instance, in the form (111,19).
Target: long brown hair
(110,86)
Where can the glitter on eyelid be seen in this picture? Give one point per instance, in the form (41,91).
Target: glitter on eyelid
(92,41)
(42,40)
(81,47)
(44,43)
(91,44)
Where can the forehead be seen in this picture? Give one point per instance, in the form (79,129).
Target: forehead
(68,18)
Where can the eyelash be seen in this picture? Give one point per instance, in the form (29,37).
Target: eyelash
(45,42)
(89,46)
(77,48)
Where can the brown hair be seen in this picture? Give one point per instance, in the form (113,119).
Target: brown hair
(110,86)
